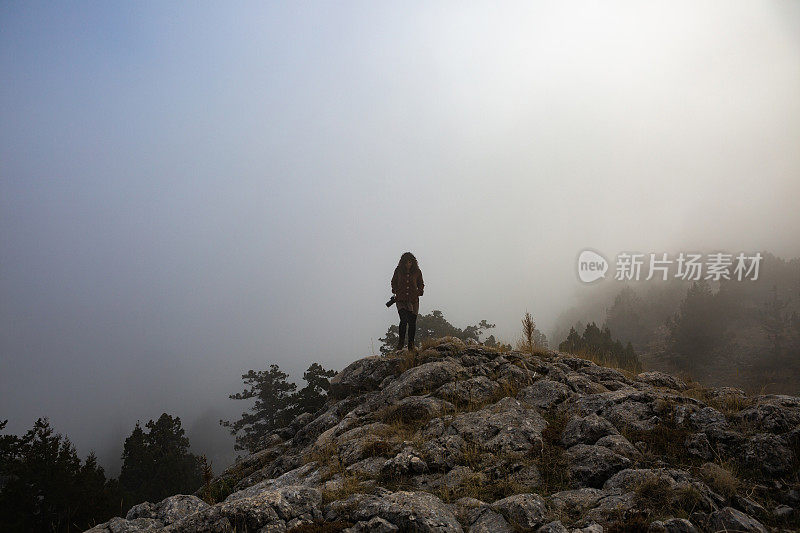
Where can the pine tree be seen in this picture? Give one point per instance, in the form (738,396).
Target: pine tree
(696,330)
(599,344)
(137,468)
(272,409)
(776,322)
(277,403)
(157,463)
(45,487)
(312,397)
(573,342)
(176,470)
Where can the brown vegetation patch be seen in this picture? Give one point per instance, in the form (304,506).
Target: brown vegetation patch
(664,441)
(350,484)
(479,488)
(327,458)
(552,460)
(633,522)
(629,372)
(727,404)
(720,479)
(659,499)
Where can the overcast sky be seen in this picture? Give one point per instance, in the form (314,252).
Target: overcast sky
(192,190)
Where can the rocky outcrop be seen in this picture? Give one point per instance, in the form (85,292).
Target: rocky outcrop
(468,438)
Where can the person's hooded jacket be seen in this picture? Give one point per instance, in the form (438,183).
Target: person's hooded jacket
(407,284)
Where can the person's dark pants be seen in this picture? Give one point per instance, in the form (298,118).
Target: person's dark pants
(408,320)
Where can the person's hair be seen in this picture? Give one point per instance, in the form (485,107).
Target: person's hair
(405,257)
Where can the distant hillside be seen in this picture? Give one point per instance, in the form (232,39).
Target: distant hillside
(727,332)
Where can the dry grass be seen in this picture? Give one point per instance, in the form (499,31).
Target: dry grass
(634,522)
(378,448)
(720,478)
(608,362)
(394,434)
(660,499)
(327,457)
(499,348)
(469,487)
(472,456)
(407,420)
(538,351)
(687,499)
(461,406)
(506,390)
(551,460)
(663,406)
(408,360)
(219,490)
(350,485)
(665,441)
(727,404)
(476,485)
(430,343)
(654,494)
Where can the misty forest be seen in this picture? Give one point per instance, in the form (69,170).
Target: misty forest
(202,208)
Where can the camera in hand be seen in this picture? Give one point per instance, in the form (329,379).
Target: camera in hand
(392,300)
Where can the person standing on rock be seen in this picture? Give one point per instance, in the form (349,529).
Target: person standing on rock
(407,286)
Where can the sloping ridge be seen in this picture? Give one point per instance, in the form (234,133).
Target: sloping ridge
(468,438)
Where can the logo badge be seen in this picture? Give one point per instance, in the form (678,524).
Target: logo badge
(591,266)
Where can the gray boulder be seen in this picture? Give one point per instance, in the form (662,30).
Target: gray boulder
(706,417)
(576,501)
(477,390)
(363,375)
(504,427)
(697,445)
(673,525)
(553,527)
(729,519)
(580,383)
(274,510)
(414,409)
(410,511)
(490,522)
(407,462)
(168,510)
(523,511)
(423,378)
(773,414)
(769,453)
(121,525)
(660,379)
(375,525)
(586,430)
(591,466)
(442,453)
(619,445)
(544,394)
